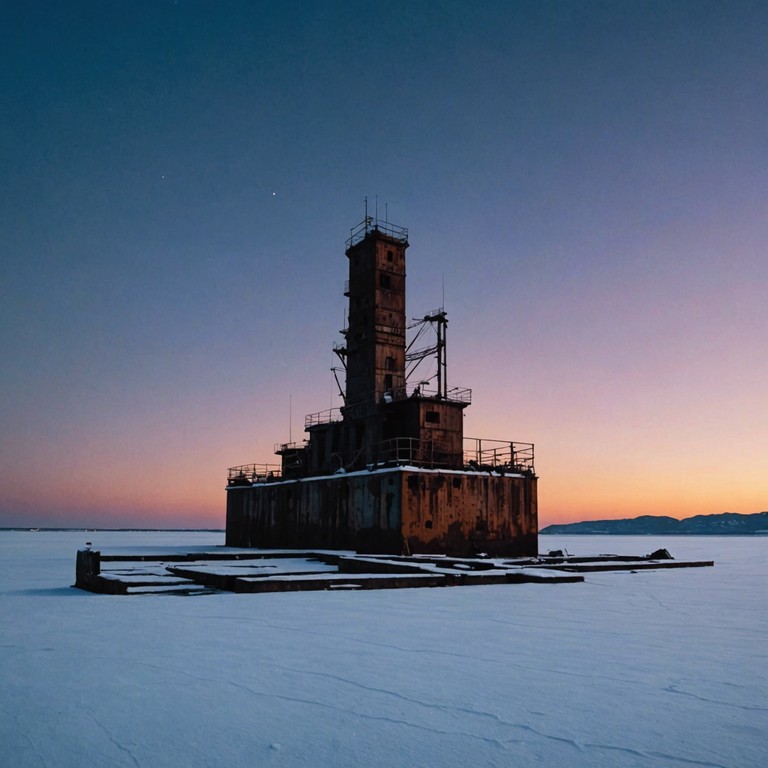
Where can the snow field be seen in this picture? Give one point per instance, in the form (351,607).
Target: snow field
(644,669)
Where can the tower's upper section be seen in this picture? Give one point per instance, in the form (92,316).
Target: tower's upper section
(369,224)
(385,419)
(375,334)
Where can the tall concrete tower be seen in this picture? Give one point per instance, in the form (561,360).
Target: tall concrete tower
(375,336)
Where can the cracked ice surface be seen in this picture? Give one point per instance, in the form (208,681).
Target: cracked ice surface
(664,668)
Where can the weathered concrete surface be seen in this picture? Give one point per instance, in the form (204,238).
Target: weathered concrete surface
(300,570)
(402,509)
(88,574)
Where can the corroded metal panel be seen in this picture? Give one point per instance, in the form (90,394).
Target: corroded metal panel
(467,513)
(419,511)
(358,512)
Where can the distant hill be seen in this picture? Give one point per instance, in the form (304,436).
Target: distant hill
(727,523)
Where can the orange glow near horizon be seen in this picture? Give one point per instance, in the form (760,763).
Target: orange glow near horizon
(569,491)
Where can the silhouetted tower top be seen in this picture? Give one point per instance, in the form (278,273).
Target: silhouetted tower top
(375,335)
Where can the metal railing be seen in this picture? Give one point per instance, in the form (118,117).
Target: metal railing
(481,454)
(420,453)
(322,417)
(281,448)
(454,395)
(248,474)
(369,224)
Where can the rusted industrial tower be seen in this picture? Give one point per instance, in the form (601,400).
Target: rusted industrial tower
(390,470)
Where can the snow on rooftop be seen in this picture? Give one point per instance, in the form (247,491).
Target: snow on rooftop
(384,470)
(655,668)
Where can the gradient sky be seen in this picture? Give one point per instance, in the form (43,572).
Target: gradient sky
(177,180)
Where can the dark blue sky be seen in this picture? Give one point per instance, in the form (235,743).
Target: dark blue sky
(588,179)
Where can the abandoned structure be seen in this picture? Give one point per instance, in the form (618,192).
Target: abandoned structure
(390,471)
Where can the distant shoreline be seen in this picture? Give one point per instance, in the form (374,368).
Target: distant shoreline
(724,524)
(550,530)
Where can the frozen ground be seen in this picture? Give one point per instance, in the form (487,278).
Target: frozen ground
(665,668)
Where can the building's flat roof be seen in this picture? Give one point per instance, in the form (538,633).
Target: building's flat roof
(382,471)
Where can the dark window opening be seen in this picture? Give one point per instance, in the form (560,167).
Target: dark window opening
(390,256)
(428,524)
(388,381)
(385,281)
(389,364)
(432,417)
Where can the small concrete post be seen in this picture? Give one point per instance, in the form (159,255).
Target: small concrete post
(87,567)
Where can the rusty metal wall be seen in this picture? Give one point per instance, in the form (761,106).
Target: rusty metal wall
(358,512)
(470,513)
(455,513)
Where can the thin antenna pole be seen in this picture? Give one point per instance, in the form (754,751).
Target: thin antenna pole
(377,210)
(439,358)
(443,277)
(445,357)
(386,211)
(290,417)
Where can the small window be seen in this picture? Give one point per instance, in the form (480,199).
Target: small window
(432,417)
(385,281)
(388,381)
(389,364)
(390,256)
